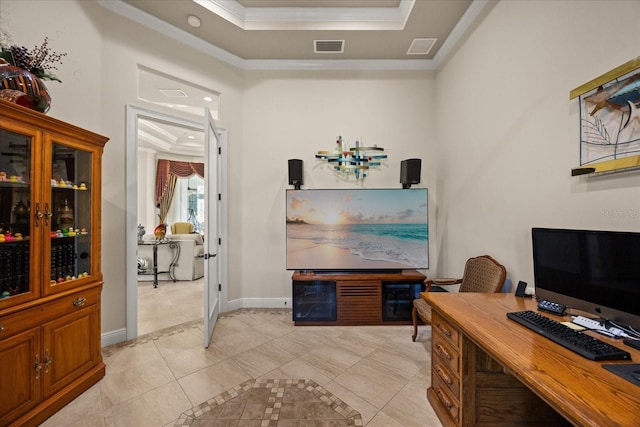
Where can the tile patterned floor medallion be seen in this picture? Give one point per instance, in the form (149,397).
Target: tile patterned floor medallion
(273,403)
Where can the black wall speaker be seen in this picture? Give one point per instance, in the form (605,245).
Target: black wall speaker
(295,173)
(410,172)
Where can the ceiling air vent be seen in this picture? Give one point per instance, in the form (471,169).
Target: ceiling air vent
(328,46)
(421,46)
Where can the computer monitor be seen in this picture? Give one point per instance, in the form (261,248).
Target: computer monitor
(594,271)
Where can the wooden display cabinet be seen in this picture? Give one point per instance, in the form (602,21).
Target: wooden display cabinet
(50,276)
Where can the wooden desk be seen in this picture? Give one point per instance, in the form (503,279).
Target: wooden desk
(487,369)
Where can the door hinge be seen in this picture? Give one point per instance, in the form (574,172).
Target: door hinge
(219,241)
(219,196)
(219,150)
(219,286)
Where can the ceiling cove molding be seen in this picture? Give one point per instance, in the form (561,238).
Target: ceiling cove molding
(136,15)
(311,18)
(129,12)
(471,14)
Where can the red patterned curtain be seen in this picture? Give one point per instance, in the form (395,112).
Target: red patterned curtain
(167,173)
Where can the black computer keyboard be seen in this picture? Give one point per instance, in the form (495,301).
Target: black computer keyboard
(583,344)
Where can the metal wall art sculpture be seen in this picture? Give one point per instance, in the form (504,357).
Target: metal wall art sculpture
(353,161)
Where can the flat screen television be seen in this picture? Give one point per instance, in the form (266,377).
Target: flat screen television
(333,230)
(594,271)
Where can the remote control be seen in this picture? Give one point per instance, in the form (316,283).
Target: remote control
(551,307)
(635,343)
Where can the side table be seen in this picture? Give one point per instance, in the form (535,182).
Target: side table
(175,248)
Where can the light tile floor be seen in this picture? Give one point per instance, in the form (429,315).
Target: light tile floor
(170,304)
(151,381)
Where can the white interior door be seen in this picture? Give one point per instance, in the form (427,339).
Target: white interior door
(212,280)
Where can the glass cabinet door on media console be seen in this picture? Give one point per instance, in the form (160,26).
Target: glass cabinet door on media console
(50,277)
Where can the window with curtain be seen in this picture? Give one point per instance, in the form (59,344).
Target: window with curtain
(188,203)
(180,192)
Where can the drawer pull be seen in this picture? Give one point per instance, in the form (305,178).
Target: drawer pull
(445,401)
(442,374)
(37,366)
(444,329)
(443,352)
(79,302)
(1,328)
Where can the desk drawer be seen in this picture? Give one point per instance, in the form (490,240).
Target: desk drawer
(444,328)
(445,351)
(450,379)
(446,399)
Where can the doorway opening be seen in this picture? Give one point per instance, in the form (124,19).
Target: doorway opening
(136,198)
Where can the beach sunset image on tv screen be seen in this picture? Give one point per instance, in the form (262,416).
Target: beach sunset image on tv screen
(358,229)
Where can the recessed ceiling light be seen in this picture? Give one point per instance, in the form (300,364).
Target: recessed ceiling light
(208,98)
(193,20)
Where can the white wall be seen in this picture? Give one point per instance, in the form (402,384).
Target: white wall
(291,115)
(508,135)
(146,189)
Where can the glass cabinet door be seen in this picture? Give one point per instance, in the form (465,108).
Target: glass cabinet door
(71,220)
(16,244)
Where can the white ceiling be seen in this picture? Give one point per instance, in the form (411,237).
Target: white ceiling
(281,34)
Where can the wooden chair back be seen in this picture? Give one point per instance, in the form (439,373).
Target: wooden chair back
(483,274)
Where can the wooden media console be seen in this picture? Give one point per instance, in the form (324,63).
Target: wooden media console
(355,298)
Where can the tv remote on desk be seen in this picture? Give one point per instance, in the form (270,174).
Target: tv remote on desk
(551,307)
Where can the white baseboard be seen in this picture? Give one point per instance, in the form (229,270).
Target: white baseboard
(259,303)
(113,337)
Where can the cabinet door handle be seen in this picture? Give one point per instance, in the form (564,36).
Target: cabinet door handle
(47,214)
(37,366)
(47,361)
(79,302)
(38,214)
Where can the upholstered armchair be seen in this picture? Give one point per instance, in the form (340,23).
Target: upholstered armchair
(481,274)
(181,228)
